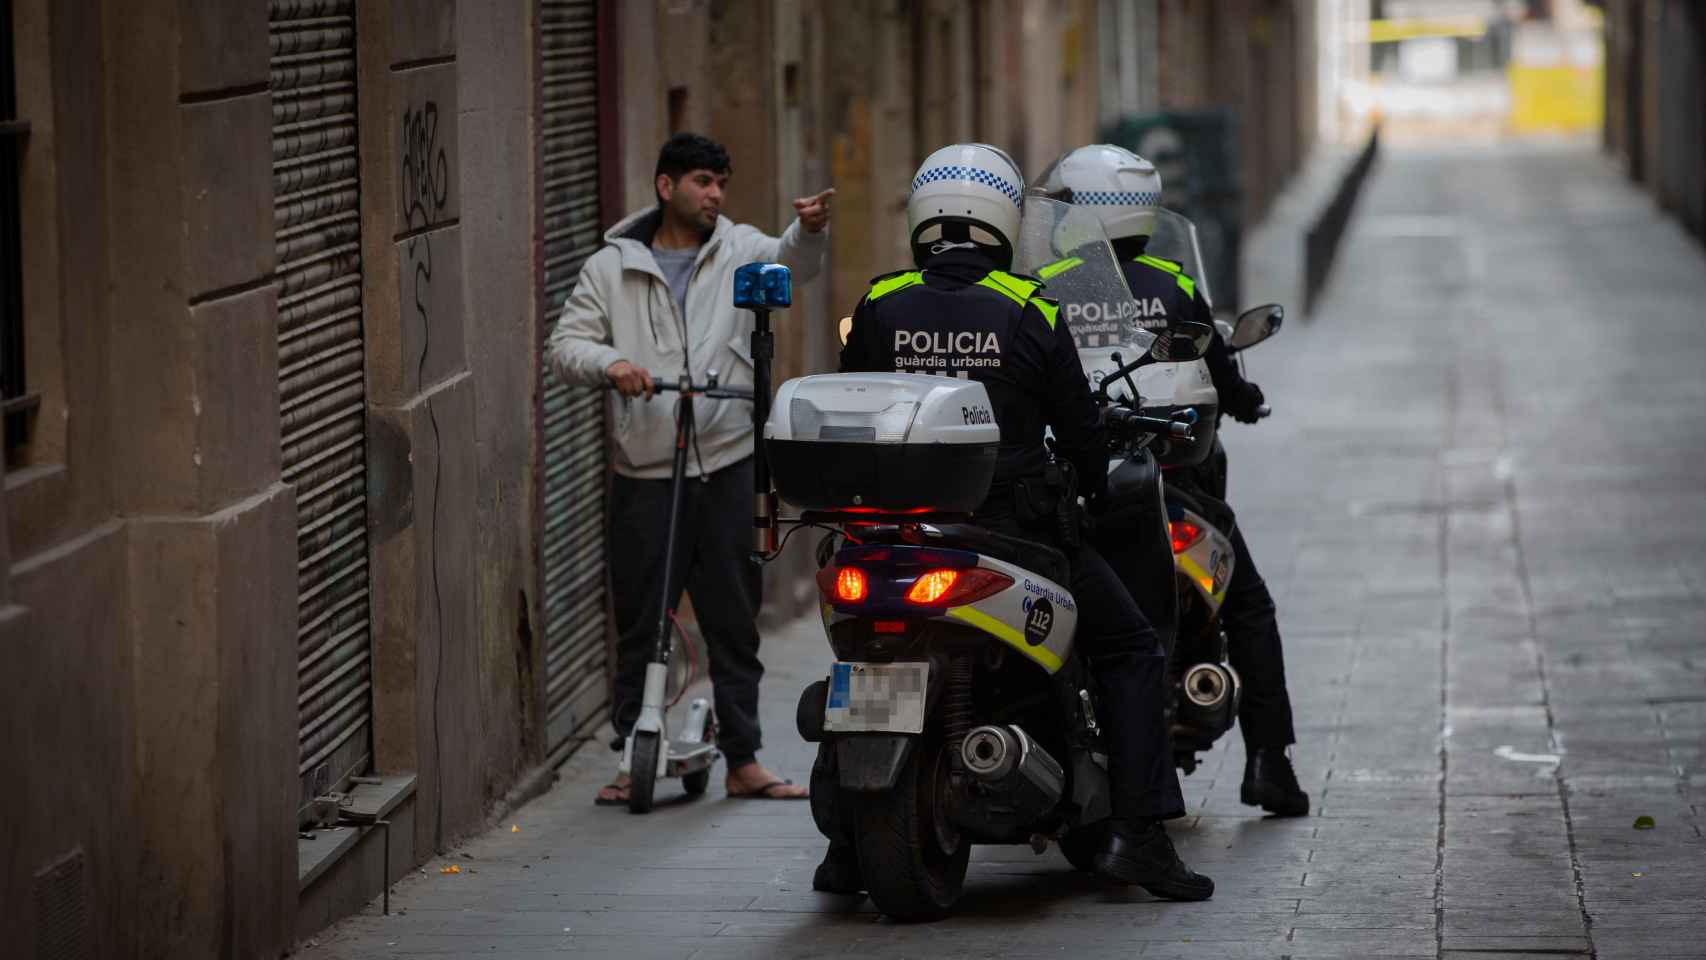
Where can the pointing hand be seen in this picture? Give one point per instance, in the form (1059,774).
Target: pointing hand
(813,211)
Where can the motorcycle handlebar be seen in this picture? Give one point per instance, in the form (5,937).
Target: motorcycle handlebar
(1135,423)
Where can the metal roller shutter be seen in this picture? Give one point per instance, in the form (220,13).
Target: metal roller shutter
(572,545)
(316,215)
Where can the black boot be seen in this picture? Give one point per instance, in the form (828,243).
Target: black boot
(839,871)
(1270,783)
(1141,853)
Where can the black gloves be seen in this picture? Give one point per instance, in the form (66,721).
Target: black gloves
(1242,401)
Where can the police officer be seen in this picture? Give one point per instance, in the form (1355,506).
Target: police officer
(964,220)
(1124,190)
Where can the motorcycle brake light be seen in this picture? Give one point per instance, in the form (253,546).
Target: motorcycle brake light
(1184,534)
(888,626)
(842,584)
(931,587)
(954,588)
(850,585)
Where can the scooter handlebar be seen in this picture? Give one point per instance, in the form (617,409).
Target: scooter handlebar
(707,388)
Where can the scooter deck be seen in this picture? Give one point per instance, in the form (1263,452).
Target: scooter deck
(688,758)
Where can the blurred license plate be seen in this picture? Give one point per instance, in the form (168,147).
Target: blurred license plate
(876,697)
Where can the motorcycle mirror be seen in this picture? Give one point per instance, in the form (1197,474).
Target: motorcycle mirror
(763,286)
(1201,335)
(1255,325)
(1183,341)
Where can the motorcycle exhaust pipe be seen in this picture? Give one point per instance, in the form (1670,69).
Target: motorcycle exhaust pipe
(1209,697)
(1007,761)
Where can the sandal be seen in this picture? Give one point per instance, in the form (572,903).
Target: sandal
(764,792)
(613,794)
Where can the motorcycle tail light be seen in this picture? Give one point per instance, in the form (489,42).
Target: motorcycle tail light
(842,584)
(850,585)
(932,586)
(954,588)
(1184,534)
(888,626)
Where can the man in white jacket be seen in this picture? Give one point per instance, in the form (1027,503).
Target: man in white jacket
(658,300)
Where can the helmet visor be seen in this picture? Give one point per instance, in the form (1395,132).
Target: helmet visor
(1175,238)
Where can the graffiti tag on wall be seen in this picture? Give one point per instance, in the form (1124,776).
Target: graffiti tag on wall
(426,192)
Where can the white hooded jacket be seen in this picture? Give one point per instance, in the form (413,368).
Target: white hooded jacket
(621,309)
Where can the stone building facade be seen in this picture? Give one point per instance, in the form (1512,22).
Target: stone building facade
(1655,101)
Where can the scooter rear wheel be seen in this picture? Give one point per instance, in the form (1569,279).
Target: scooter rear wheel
(643,770)
(909,875)
(696,783)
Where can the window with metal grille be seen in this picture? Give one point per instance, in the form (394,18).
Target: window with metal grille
(16,403)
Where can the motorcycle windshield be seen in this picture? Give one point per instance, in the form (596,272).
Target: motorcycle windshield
(1175,238)
(1066,248)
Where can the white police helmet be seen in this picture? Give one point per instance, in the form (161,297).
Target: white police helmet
(966,193)
(1120,187)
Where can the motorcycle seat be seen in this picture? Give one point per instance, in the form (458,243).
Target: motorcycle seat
(1041,558)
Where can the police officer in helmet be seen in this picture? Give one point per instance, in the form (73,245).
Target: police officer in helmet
(1124,191)
(964,220)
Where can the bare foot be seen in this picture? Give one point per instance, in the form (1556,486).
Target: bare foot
(615,793)
(753,782)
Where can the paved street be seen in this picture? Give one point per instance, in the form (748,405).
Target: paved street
(1479,507)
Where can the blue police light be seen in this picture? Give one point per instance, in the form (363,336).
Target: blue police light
(763,286)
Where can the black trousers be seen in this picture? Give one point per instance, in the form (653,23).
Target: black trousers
(1253,641)
(1126,659)
(712,565)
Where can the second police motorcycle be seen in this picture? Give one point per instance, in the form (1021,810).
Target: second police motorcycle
(1204,688)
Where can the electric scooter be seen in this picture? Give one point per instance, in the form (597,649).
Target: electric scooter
(648,754)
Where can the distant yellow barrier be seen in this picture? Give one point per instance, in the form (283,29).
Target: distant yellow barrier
(1392,31)
(1562,99)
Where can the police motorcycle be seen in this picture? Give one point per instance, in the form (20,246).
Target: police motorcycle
(1205,688)
(956,710)
(1138,526)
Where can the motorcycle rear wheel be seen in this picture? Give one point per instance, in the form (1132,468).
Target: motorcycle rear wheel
(908,874)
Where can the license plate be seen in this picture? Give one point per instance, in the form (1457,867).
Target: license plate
(876,697)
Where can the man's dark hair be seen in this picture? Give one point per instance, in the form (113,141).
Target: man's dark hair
(686,152)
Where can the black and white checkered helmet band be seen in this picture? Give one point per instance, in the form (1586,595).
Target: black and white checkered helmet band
(983,177)
(1126,198)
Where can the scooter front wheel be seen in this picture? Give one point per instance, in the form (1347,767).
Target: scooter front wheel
(643,772)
